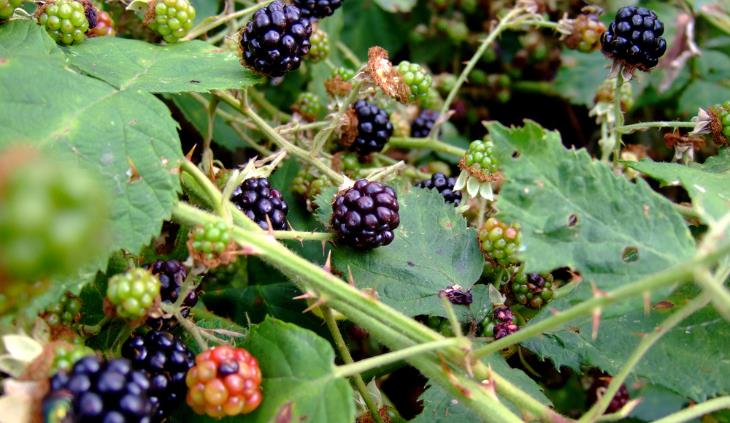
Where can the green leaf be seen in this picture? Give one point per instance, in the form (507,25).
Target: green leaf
(298,380)
(23,38)
(692,360)
(223,134)
(433,250)
(708,184)
(183,67)
(580,76)
(96,127)
(710,87)
(575,212)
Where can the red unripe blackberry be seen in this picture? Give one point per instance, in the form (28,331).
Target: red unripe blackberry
(365,216)
(634,38)
(259,201)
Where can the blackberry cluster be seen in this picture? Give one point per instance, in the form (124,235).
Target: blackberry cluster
(308,106)
(65,312)
(374,128)
(261,203)
(65,21)
(444,185)
(634,38)
(308,185)
(7,7)
(499,242)
(586,34)
(171,274)
(166,361)
(533,290)
(598,388)
(318,8)
(102,391)
(173,19)
(275,39)
(133,292)
(418,80)
(225,381)
(421,126)
(480,157)
(504,322)
(320,48)
(208,242)
(365,216)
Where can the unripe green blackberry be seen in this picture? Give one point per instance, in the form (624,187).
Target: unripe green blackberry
(499,242)
(208,242)
(65,21)
(64,312)
(173,19)
(533,290)
(586,33)
(7,7)
(480,157)
(417,79)
(308,105)
(320,48)
(720,125)
(344,73)
(65,355)
(133,292)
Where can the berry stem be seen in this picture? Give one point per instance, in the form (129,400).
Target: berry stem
(629,129)
(426,143)
(205,185)
(261,101)
(361,366)
(349,55)
(619,116)
(212,22)
(299,127)
(696,411)
(192,330)
(90,330)
(451,316)
(303,235)
(347,358)
(323,136)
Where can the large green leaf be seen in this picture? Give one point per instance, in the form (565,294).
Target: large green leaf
(127,137)
(223,134)
(580,76)
(708,184)
(575,212)
(183,67)
(693,359)
(433,250)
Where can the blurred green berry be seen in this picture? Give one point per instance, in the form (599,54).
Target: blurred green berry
(173,19)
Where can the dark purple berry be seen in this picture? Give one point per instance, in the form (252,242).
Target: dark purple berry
(366,215)
(444,185)
(317,8)
(171,274)
(259,201)
(374,128)
(598,388)
(421,127)
(457,295)
(504,322)
(634,38)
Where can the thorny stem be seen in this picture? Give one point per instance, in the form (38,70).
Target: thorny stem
(192,329)
(214,21)
(304,235)
(426,143)
(619,116)
(323,136)
(348,54)
(629,129)
(207,158)
(451,316)
(347,358)
(696,411)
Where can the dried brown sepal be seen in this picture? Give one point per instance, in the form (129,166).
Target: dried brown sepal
(496,177)
(337,87)
(368,417)
(149,14)
(385,76)
(348,129)
(676,139)
(716,127)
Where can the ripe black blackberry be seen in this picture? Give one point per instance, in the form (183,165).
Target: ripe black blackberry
(366,215)
(373,128)
(598,389)
(102,391)
(634,38)
(444,185)
(318,8)
(421,127)
(275,39)
(166,361)
(171,274)
(258,200)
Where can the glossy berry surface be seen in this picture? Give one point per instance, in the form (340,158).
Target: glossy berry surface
(103,391)
(173,19)
(276,39)
(65,21)
(499,242)
(261,203)
(171,274)
(634,38)
(480,157)
(318,8)
(65,355)
(365,216)
(444,185)
(532,290)
(225,381)
(166,361)
(421,126)
(374,128)
(133,292)
(598,389)
(320,48)
(7,7)
(418,79)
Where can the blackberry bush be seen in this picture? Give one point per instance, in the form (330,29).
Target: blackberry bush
(261,203)
(480,158)
(501,323)
(373,128)
(166,361)
(133,292)
(276,39)
(634,38)
(444,185)
(65,21)
(225,381)
(308,105)
(172,19)
(365,216)
(208,243)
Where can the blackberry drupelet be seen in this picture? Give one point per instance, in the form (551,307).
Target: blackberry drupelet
(171,274)
(634,38)
(103,391)
(374,128)
(365,216)
(421,126)
(65,21)
(259,201)
(598,389)
(133,292)
(444,185)
(318,8)
(275,40)
(504,322)
(166,361)
(320,46)
(173,19)
(499,242)
(533,289)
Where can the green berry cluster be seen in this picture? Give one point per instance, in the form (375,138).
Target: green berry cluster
(173,19)
(320,48)
(7,7)
(65,355)
(65,21)
(133,292)
(722,112)
(211,240)
(533,290)
(344,73)
(499,242)
(480,157)
(308,185)
(308,105)
(64,312)
(586,35)
(417,79)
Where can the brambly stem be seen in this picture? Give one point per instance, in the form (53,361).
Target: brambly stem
(426,144)
(618,115)
(696,411)
(215,21)
(304,235)
(643,126)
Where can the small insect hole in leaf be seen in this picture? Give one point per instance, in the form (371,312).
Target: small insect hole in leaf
(572,220)
(515,154)
(630,254)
